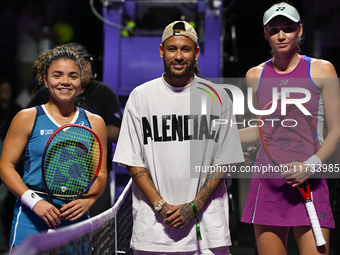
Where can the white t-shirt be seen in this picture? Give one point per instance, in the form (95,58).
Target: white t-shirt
(164,131)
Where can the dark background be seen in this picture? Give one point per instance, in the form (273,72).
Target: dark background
(250,47)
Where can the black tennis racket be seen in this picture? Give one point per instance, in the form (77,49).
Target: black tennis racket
(288,138)
(71,162)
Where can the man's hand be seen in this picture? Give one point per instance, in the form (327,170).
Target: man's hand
(179,216)
(250,155)
(166,207)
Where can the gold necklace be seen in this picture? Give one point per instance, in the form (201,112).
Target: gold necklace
(66,120)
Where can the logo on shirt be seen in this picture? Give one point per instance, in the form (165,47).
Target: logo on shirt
(46,131)
(166,128)
(283,82)
(81,123)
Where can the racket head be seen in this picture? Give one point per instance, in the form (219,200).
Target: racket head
(290,137)
(71,162)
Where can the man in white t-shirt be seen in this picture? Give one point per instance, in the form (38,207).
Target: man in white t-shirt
(169,137)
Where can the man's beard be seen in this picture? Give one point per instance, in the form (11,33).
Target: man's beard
(185,72)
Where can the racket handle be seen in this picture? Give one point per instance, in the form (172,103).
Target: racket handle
(319,239)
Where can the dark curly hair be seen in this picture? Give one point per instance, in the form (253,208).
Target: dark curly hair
(60,52)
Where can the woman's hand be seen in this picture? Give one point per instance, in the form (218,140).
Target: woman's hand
(296,174)
(75,209)
(48,213)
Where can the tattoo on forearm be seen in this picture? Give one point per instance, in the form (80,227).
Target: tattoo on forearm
(151,182)
(198,203)
(204,193)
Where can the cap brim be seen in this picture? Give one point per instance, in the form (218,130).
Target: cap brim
(281,14)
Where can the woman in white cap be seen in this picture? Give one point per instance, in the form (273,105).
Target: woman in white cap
(275,204)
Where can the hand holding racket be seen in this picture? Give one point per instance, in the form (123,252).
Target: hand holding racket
(71,162)
(292,137)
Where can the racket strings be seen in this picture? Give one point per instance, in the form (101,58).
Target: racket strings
(291,137)
(71,161)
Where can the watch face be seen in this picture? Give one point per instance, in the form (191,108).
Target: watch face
(158,206)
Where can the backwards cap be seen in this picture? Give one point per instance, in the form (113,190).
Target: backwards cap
(282,9)
(189,31)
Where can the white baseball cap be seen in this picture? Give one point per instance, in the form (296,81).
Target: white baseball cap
(282,9)
(188,31)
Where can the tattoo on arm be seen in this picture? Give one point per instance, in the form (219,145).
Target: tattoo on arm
(205,192)
(142,173)
(143,179)
(139,174)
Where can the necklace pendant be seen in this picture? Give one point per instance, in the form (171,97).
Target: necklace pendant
(66,121)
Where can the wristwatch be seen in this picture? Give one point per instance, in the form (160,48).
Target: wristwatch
(159,205)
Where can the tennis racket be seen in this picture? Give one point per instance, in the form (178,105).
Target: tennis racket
(289,138)
(71,162)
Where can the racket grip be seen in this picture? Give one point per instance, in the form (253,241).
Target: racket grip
(319,239)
